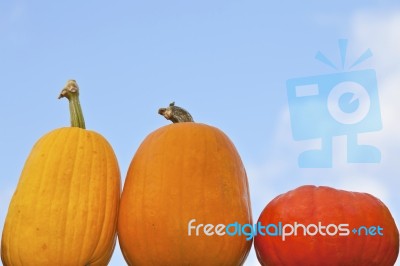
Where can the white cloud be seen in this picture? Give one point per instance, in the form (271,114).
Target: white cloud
(381,32)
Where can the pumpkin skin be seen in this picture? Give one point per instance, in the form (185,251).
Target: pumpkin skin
(181,172)
(310,205)
(64,210)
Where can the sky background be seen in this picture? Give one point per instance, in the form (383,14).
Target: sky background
(227,62)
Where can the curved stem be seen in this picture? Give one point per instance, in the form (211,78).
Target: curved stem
(71,92)
(175,113)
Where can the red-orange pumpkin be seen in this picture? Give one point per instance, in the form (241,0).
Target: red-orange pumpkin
(333,212)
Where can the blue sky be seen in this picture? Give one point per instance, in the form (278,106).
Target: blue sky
(225,61)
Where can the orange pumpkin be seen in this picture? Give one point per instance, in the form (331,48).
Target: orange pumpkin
(341,227)
(181,172)
(64,210)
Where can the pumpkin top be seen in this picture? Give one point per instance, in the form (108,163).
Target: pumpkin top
(71,92)
(175,114)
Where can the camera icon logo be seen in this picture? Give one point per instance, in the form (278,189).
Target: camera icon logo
(344,103)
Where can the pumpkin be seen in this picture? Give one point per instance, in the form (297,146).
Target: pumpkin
(184,173)
(64,209)
(341,227)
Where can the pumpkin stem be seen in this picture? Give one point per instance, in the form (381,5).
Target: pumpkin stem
(175,113)
(71,92)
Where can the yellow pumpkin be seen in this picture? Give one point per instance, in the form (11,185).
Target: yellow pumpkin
(64,210)
(181,172)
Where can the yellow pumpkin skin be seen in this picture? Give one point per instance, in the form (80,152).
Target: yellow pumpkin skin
(181,172)
(64,210)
